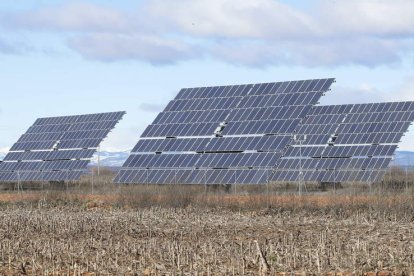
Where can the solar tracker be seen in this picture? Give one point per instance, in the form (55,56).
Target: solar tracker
(345,143)
(222,134)
(57,148)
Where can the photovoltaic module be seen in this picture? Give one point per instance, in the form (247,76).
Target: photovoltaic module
(223,134)
(57,148)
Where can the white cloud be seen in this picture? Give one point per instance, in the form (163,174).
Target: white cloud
(249,33)
(151,107)
(405,91)
(351,95)
(369,17)
(111,47)
(328,52)
(70,17)
(13,48)
(4,151)
(233,18)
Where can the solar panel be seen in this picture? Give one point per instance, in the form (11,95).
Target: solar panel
(221,135)
(57,148)
(345,143)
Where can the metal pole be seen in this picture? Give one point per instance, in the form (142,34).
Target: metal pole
(99,159)
(406,179)
(204,176)
(300,167)
(370,182)
(92,181)
(267,187)
(298,139)
(406,172)
(18,182)
(204,182)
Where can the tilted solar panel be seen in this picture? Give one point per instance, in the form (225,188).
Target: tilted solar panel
(345,143)
(221,135)
(57,148)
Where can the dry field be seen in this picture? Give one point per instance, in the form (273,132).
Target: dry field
(137,231)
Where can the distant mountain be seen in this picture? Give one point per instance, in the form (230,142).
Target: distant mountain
(3,152)
(110,159)
(403,158)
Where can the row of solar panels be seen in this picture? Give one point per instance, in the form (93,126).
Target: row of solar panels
(55,165)
(219,160)
(40,175)
(64,135)
(57,148)
(63,144)
(247,102)
(252,133)
(164,176)
(259,143)
(49,155)
(255,89)
(255,127)
(248,160)
(237,115)
(72,127)
(236,128)
(76,119)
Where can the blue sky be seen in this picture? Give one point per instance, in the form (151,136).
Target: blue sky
(76,57)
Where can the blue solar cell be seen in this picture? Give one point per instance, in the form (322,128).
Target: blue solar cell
(218,130)
(51,149)
(353,141)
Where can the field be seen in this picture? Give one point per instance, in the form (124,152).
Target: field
(185,230)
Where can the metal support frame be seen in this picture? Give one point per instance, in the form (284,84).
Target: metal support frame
(297,138)
(99,159)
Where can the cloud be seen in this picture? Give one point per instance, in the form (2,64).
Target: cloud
(405,91)
(13,48)
(365,93)
(6,47)
(369,17)
(233,19)
(111,47)
(70,17)
(330,52)
(255,33)
(270,19)
(4,150)
(150,107)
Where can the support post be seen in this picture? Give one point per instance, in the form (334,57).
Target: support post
(299,139)
(18,182)
(99,159)
(92,181)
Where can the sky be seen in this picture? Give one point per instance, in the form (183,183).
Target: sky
(77,57)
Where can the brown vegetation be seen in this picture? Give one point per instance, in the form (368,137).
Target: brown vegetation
(191,230)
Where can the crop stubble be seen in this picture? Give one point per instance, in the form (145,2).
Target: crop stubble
(77,240)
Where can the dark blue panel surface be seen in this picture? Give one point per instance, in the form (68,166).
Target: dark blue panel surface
(53,147)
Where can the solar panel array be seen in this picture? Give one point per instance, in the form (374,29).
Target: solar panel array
(345,143)
(57,148)
(223,134)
